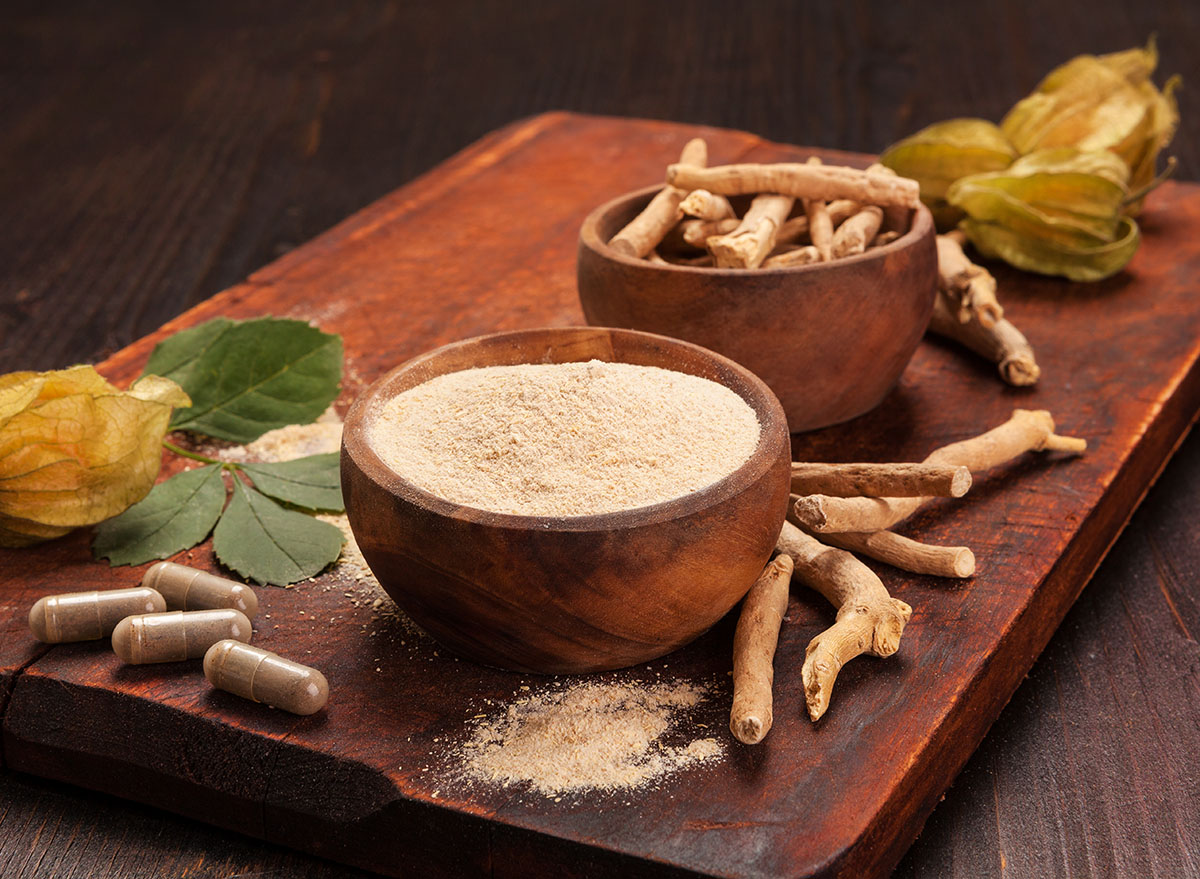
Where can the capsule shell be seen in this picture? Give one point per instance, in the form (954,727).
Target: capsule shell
(87,616)
(187,588)
(263,676)
(176,635)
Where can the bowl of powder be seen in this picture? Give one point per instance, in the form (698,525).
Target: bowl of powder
(566,500)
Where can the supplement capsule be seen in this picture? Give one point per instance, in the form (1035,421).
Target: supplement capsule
(176,635)
(86,616)
(187,588)
(265,677)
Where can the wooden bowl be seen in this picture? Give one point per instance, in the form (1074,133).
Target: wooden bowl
(575,594)
(830,339)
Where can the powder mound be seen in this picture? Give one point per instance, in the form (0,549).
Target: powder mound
(588,737)
(569,439)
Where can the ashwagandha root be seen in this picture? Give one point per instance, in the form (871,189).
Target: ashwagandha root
(895,217)
(648,228)
(748,245)
(906,554)
(795,229)
(704,205)
(1026,431)
(1001,342)
(857,232)
(825,182)
(695,233)
(797,256)
(885,238)
(970,289)
(754,644)
(880,480)
(869,620)
(820,224)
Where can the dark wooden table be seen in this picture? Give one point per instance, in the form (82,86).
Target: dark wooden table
(152,154)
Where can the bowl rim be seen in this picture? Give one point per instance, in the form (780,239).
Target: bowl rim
(773,431)
(589,237)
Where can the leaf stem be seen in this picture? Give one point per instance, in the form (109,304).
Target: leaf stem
(196,456)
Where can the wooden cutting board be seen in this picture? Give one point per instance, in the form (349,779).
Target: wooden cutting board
(486,242)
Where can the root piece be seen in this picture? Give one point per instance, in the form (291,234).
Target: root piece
(795,229)
(1028,430)
(648,228)
(880,480)
(971,288)
(907,554)
(869,620)
(653,257)
(748,245)
(885,238)
(695,233)
(820,224)
(853,235)
(825,182)
(1002,343)
(702,204)
(895,218)
(754,644)
(797,256)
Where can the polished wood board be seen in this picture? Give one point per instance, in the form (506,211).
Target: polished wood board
(487,242)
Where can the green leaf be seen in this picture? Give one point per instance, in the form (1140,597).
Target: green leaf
(313,482)
(269,544)
(176,515)
(175,356)
(248,377)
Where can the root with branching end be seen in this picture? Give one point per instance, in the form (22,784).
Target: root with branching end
(754,644)
(1001,342)
(869,620)
(1028,430)
(748,245)
(970,288)
(704,205)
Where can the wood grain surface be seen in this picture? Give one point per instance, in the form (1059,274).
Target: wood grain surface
(154,155)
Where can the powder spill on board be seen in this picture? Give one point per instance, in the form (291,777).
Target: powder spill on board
(564,439)
(588,736)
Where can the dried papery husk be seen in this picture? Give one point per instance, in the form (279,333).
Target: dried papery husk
(1093,103)
(944,152)
(1073,197)
(1078,262)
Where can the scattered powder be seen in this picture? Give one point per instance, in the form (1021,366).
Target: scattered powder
(590,736)
(293,441)
(567,439)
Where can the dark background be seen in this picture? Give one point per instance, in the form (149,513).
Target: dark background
(154,153)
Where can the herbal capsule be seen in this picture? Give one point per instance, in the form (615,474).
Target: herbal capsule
(265,677)
(187,588)
(86,616)
(176,635)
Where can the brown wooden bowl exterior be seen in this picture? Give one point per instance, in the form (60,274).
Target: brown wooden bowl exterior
(578,594)
(829,339)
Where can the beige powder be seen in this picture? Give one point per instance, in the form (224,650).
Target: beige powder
(568,439)
(590,736)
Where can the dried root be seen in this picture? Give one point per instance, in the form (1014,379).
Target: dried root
(966,310)
(1027,431)
(754,644)
(880,480)
(748,245)
(824,182)
(648,228)
(869,620)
